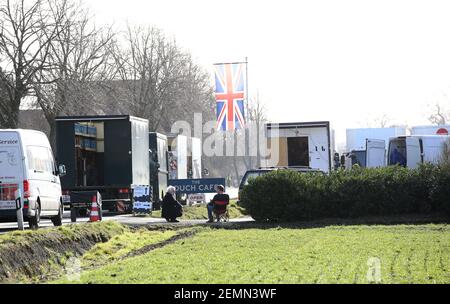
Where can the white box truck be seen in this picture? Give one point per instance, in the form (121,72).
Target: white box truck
(178,156)
(195,169)
(430,130)
(300,144)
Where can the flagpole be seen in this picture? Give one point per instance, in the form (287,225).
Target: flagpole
(246,88)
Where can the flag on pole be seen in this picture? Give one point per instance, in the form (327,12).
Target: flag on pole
(230,95)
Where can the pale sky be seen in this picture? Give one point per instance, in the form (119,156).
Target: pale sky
(344,61)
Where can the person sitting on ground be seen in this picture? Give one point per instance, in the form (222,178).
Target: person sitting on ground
(171,208)
(219,197)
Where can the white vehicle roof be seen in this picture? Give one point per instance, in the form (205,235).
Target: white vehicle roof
(29,137)
(356,138)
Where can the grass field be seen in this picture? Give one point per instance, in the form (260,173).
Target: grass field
(407,254)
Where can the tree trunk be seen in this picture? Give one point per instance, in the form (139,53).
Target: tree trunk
(52,138)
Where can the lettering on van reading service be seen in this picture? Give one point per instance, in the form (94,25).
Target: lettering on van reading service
(9,142)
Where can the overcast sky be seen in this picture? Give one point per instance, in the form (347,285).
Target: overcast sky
(344,61)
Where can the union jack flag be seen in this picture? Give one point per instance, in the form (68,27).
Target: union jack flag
(230,96)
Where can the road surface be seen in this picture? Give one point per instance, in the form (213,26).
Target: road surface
(126,219)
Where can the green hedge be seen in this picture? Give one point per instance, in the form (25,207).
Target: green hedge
(288,196)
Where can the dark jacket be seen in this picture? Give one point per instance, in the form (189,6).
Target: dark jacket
(170,207)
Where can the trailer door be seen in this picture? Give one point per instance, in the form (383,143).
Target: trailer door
(298,151)
(414,152)
(375,153)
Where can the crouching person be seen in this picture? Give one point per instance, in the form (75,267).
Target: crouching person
(171,208)
(221,196)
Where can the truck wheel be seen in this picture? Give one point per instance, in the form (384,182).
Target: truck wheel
(34,221)
(73,214)
(57,220)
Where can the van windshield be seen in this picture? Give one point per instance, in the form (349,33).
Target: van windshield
(40,159)
(10,165)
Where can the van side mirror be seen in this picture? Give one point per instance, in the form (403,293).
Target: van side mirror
(62,170)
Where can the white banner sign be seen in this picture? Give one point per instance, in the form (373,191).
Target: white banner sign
(142,200)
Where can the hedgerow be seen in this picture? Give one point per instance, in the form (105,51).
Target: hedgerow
(288,195)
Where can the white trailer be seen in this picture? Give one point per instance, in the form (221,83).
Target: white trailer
(185,157)
(300,144)
(357,138)
(196,158)
(178,156)
(430,130)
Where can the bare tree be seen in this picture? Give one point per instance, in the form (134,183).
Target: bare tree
(257,116)
(4,100)
(159,80)
(439,116)
(25,36)
(77,63)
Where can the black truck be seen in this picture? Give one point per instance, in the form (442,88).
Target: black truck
(159,168)
(108,154)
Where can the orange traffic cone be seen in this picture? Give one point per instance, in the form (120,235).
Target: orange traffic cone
(94,216)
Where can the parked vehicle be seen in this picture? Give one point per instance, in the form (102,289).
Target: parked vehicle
(431,130)
(373,156)
(178,156)
(195,158)
(301,144)
(159,168)
(250,174)
(411,151)
(356,138)
(185,157)
(108,154)
(366,147)
(27,164)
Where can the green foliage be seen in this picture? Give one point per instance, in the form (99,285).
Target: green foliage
(288,195)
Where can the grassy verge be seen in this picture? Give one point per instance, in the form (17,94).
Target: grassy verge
(199,212)
(121,245)
(31,255)
(406,254)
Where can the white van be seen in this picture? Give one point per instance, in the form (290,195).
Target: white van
(411,151)
(27,164)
